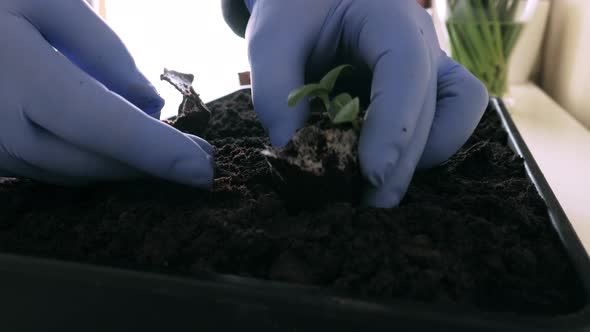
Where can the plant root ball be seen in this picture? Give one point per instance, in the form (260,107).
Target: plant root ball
(318,165)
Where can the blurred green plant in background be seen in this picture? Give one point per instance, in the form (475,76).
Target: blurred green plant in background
(483,34)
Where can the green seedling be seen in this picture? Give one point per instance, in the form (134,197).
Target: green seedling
(341,109)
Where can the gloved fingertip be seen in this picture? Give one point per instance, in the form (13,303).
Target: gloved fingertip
(281,123)
(156,115)
(151,105)
(146,98)
(249,4)
(279,138)
(208,148)
(154,107)
(383,197)
(377,163)
(203,144)
(197,172)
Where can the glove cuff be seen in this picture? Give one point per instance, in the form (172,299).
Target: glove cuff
(236,15)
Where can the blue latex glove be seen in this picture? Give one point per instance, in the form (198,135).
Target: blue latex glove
(423,106)
(84,112)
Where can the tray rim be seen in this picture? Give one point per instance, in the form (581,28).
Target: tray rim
(320,299)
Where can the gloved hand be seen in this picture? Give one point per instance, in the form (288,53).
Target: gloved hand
(423,106)
(84,112)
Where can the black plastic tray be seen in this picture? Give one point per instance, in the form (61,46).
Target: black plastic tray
(47,295)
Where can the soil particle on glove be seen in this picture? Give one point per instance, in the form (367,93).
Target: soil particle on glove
(471,232)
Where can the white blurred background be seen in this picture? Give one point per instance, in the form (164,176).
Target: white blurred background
(188,36)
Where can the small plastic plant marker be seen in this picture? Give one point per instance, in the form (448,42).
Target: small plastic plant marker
(191,102)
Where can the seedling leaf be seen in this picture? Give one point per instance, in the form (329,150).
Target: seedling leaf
(329,81)
(348,113)
(310,90)
(338,103)
(341,109)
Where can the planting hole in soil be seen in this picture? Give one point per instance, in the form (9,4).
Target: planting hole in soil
(472,232)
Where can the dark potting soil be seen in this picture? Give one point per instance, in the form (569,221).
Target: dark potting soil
(473,232)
